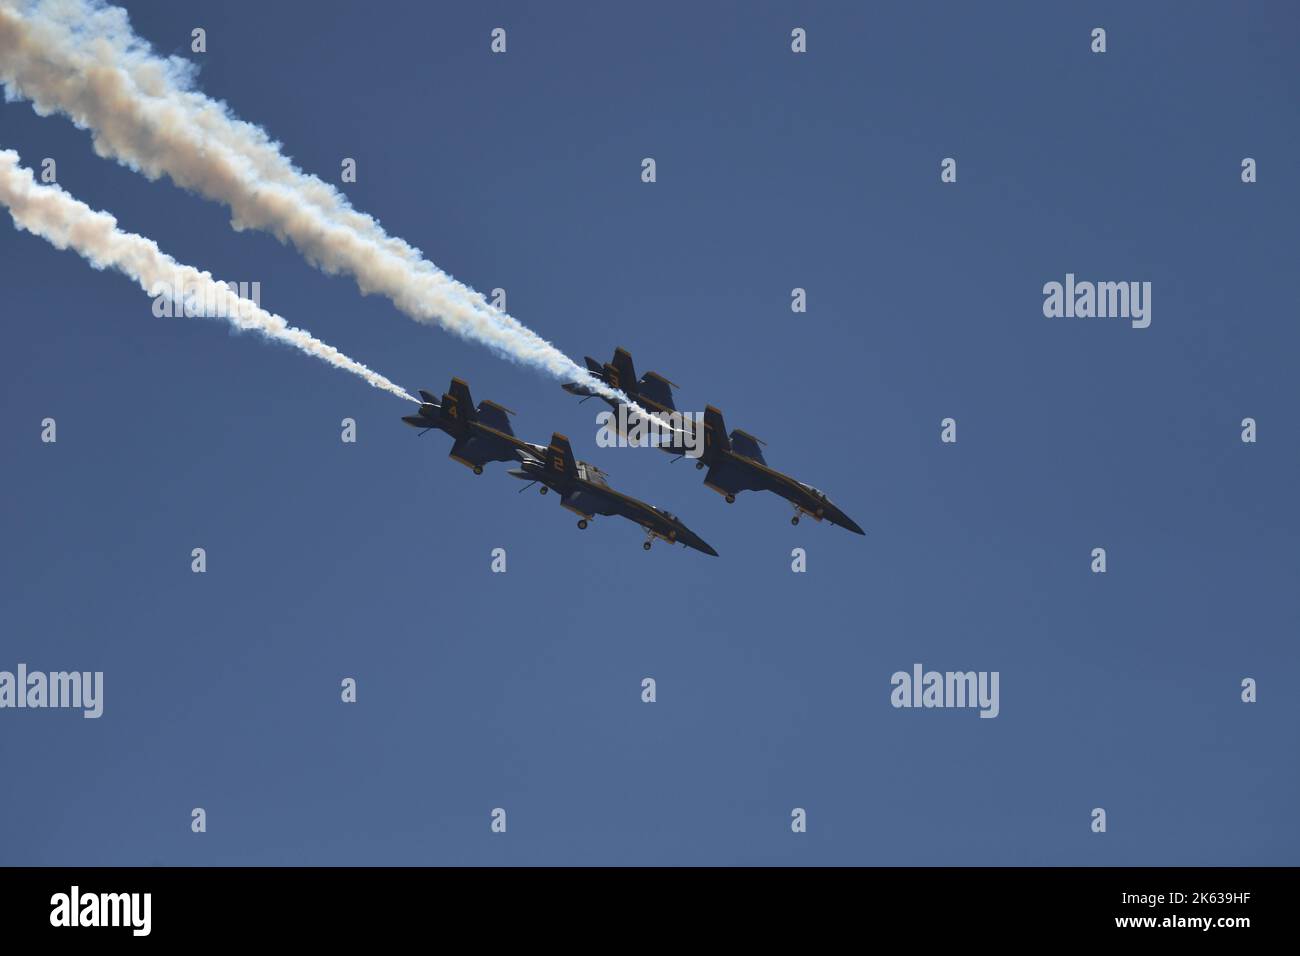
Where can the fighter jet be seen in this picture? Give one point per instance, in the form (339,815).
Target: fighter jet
(583,489)
(652,391)
(736,464)
(481,434)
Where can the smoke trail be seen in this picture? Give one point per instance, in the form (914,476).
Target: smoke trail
(67,223)
(80,58)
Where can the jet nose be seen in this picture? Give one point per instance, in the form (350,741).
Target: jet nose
(693,540)
(844,521)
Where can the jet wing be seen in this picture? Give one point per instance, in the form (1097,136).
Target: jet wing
(728,479)
(599,500)
(587,503)
(477,450)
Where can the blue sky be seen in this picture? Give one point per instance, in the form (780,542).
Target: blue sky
(522,690)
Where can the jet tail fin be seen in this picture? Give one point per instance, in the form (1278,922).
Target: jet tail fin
(657,389)
(559,456)
(743,443)
(623,372)
(495,416)
(457,403)
(715,431)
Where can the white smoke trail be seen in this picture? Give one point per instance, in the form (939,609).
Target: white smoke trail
(68,223)
(81,58)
